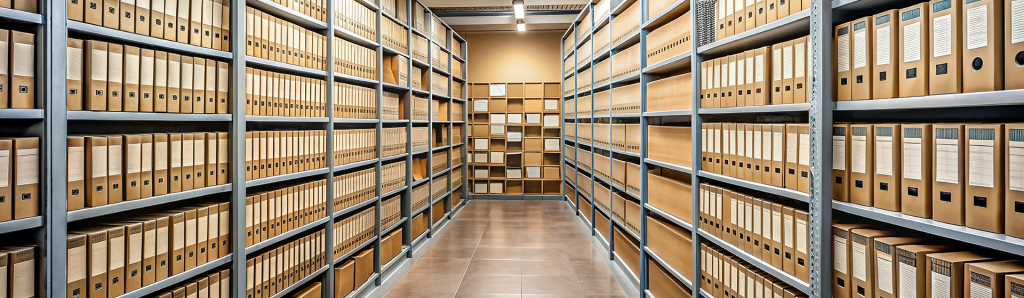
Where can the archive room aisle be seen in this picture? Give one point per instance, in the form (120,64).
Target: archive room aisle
(844,148)
(224,148)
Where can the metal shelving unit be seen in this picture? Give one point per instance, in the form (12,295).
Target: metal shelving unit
(53,122)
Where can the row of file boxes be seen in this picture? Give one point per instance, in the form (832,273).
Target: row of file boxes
(514,105)
(354,145)
(961,174)
(119,257)
(19,178)
(352,101)
(770,154)
(272,153)
(673,93)
(871,261)
(624,174)
(275,212)
(396,9)
(298,259)
(438,31)
(772,232)
(111,169)
(396,70)
(420,48)
(420,197)
(18,70)
(202,23)
(395,140)
(394,35)
(356,18)
(355,60)
(725,274)
(113,77)
(391,211)
(392,176)
(936,44)
(420,138)
(665,143)
(391,107)
(354,230)
(353,188)
(440,184)
(213,285)
(763,76)
(278,40)
(270,93)
(353,272)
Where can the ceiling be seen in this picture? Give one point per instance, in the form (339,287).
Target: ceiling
(496,15)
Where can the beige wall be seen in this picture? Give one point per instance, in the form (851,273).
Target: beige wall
(505,57)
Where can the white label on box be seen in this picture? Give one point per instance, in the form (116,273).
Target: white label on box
(550,104)
(942,28)
(759,68)
(532,118)
(76,264)
(947,165)
(839,256)
(497,118)
(912,158)
(777,146)
(859,262)
(804,156)
(844,56)
(532,172)
(497,90)
(800,63)
(941,287)
(884,274)
(498,157)
(515,173)
(550,120)
(1017,21)
(860,49)
(515,118)
(981,171)
(481,144)
(551,144)
(978,290)
(497,129)
(912,42)
(839,153)
(5,167)
(99,161)
(801,236)
(977,27)
(480,105)
(883,156)
(750,70)
(27,164)
(882,44)
(1015,166)
(24,280)
(515,136)
(858,155)
(792,147)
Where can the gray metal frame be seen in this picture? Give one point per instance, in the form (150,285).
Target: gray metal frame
(50,230)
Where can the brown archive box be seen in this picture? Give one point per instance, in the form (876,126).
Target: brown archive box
(841,162)
(862,167)
(787,71)
(77,265)
(890,257)
(844,57)
(130,97)
(884,78)
(96,245)
(1014,188)
(160,81)
(861,49)
(887,174)
(95,97)
(224,229)
(164,249)
(147,77)
(916,181)
(132,166)
(989,277)
(862,257)
(944,70)
(948,161)
(779,149)
(187,161)
(913,59)
(149,243)
(96,171)
(803,158)
(984,189)
(173,98)
(115,258)
(198,160)
(161,164)
(191,227)
(115,76)
(841,254)
(801,65)
(946,273)
(210,158)
(22,70)
(176,235)
(802,263)
(662,138)
(202,234)
(728,80)
(983,46)
(663,284)
(76,175)
(1014,285)
(115,174)
(75,71)
(185,89)
(792,156)
(760,86)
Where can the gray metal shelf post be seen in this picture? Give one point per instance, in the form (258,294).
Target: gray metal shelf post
(820,127)
(53,235)
(238,257)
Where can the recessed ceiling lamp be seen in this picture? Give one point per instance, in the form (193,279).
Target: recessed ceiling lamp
(520,25)
(519,6)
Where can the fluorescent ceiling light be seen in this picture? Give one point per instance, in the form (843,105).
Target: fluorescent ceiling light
(520,25)
(520,8)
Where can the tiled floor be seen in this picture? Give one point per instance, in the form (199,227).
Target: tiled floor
(506,249)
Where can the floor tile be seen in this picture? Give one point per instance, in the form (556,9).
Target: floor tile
(563,267)
(505,284)
(495,267)
(429,283)
(553,284)
(441,265)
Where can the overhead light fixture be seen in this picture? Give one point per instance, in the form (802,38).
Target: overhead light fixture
(519,6)
(520,25)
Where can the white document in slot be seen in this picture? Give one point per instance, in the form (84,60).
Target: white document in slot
(532,172)
(550,104)
(551,144)
(497,129)
(514,173)
(480,173)
(497,90)
(496,187)
(481,144)
(498,157)
(515,136)
(550,120)
(515,118)
(497,119)
(532,118)
(479,105)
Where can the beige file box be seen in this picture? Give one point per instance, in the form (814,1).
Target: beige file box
(76,176)
(984,185)
(946,273)
(862,257)
(862,48)
(841,255)
(948,165)
(862,167)
(946,35)
(841,162)
(884,79)
(888,173)
(916,156)
(95,98)
(983,45)
(844,63)
(115,77)
(914,56)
